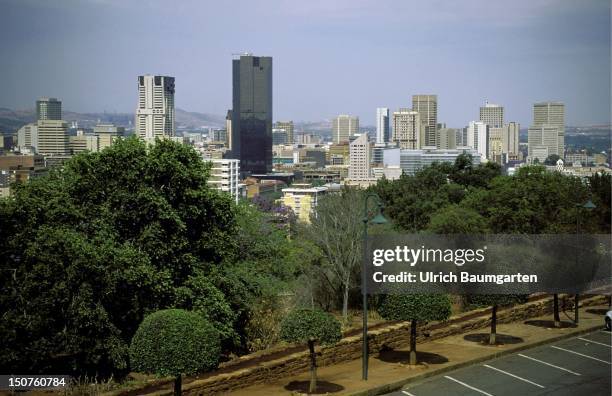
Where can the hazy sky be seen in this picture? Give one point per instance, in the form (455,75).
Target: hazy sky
(330,56)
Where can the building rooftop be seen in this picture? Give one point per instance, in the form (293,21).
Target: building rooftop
(305,190)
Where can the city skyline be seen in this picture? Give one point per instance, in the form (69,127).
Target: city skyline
(546,50)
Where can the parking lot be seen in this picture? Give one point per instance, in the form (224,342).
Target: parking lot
(576,366)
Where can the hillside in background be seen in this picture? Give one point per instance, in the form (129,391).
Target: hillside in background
(12,120)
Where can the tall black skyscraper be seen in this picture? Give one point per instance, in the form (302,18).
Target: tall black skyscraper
(252,113)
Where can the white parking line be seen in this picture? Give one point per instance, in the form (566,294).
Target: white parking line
(594,342)
(407,393)
(580,354)
(513,375)
(468,386)
(548,364)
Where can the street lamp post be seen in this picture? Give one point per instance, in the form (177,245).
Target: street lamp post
(589,205)
(378,219)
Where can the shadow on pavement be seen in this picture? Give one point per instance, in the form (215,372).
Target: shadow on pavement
(500,339)
(323,387)
(598,311)
(550,324)
(393,356)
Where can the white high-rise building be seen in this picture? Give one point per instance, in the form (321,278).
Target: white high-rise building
(492,115)
(382,125)
(344,127)
(539,153)
(462,137)
(427,106)
(510,138)
(359,158)
(155,116)
(224,176)
(495,141)
(543,141)
(478,138)
(447,138)
(27,137)
(408,129)
(551,114)
(53,137)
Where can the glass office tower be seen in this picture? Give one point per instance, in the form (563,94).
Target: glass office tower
(252,113)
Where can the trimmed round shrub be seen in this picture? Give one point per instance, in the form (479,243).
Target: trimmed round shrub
(303,325)
(419,307)
(415,308)
(310,326)
(172,342)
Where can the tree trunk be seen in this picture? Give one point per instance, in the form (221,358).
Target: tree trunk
(177,385)
(313,367)
(556,310)
(576,305)
(345,298)
(493,335)
(413,329)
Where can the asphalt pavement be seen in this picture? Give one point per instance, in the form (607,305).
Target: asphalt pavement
(580,365)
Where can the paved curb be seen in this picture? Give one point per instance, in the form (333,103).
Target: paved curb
(398,385)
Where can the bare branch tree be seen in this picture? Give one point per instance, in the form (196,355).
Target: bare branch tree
(336,228)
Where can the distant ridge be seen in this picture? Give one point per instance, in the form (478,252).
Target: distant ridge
(11,120)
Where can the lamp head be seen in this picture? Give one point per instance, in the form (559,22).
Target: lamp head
(379,219)
(589,205)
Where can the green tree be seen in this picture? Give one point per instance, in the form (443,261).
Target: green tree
(175,342)
(494,301)
(454,219)
(534,201)
(411,200)
(254,282)
(414,308)
(311,326)
(104,240)
(466,174)
(601,190)
(552,159)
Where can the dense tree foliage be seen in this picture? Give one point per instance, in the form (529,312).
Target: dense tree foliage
(175,342)
(114,235)
(455,219)
(534,201)
(601,191)
(552,159)
(412,200)
(89,250)
(311,326)
(466,199)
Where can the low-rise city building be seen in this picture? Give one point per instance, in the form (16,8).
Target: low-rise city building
(302,200)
